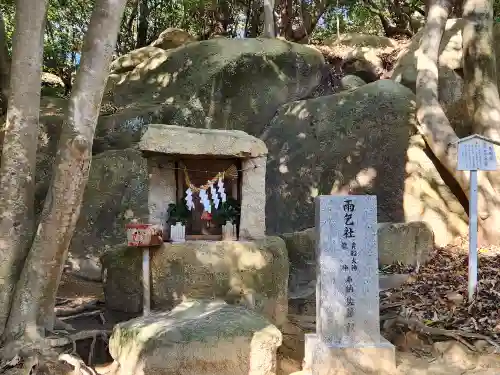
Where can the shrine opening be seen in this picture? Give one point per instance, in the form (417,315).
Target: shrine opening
(205,184)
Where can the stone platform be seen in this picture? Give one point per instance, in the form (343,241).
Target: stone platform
(374,359)
(252,273)
(198,337)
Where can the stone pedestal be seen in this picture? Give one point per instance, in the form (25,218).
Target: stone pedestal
(374,359)
(198,337)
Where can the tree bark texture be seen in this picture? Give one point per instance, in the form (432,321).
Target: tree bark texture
(268,19)
(4,67)
(142,24)
(433,124)
(34,299)
(17,170)
(481,96)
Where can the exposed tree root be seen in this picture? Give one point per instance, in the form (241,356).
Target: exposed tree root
(43,356)
(66,311)
(458,335)
(65,339)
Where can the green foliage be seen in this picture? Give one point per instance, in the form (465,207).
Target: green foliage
(67,21)
(66,25)
(354,18)
(7,9)
(227,211)
(178,213)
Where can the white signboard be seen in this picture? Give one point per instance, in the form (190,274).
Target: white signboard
(476,154)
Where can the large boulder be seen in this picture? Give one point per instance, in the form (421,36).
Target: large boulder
(354,141)
(351,82)
(197,337)
(358,40)
(407,243)
(130,60)
(117,191)
(432,195)
(218,83)
(172,38)
(52,85)
(361,54)
(450,53)
(251,273)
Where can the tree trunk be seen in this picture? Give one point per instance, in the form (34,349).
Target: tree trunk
(17,170)
(432,122)
(142,24)
(4,67)
(34,299)
(481,94)
(268,19)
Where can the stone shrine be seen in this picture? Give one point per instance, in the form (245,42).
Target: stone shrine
(347,338)
(180,158)
(217,254)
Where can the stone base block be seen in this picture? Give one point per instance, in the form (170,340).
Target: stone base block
(373,359)
(205,337)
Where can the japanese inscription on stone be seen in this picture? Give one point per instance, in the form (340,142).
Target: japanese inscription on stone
(347,275)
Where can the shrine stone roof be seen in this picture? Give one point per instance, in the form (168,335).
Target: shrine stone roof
(179,140)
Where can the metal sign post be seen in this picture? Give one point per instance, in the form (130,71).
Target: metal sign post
(475,153)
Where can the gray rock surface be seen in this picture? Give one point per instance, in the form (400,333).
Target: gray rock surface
(178,140)
(115,194)
(406,243)
(351,82)
(336,145)
(197,337)
(254,274)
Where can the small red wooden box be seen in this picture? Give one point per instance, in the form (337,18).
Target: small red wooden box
(144,235)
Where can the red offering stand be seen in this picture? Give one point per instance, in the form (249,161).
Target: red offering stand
(144,236)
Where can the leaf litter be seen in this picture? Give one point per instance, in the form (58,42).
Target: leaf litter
(434,301)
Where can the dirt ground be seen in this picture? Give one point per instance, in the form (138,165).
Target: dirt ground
(414,355)
(71,287)
(75,288)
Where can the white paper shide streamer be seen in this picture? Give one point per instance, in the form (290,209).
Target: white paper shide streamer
(222,191)
(215,197)
(189,199)
(205,201)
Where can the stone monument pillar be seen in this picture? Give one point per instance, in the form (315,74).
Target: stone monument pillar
(347,339)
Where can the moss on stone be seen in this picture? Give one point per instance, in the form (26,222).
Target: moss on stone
(217,83)
(193,321)
(334,144)
(237,272)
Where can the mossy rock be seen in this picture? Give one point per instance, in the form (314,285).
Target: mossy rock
(197,335)
(254,274)
(218,83)
(352,142)
(357,40)
(130,60)
(117,191)
(121,288)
